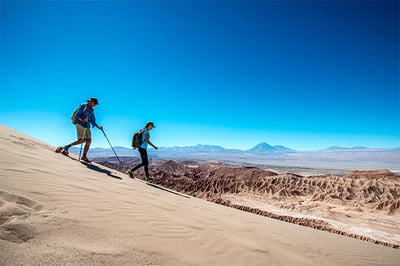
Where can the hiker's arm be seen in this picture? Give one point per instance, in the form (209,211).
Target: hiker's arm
(94,124)
(149,142)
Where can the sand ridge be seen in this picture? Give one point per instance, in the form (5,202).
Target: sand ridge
(75,215)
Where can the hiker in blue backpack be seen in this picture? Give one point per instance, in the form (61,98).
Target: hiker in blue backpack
(83,117)
(145,141)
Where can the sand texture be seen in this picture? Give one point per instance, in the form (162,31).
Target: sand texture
(361,204)
(55,210)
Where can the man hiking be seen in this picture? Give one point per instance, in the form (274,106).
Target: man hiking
(145,141)
(83,117)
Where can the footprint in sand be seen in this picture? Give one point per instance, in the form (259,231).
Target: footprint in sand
(14,210)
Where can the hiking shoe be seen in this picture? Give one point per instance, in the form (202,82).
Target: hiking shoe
(59,149)
(85,159)
(150,179)
(65,150)
(131,174)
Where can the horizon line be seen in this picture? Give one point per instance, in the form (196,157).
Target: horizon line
(273,146)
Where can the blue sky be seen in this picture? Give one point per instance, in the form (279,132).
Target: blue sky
(303,74)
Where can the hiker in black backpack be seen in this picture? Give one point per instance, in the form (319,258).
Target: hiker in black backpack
(83,117)
(144,142)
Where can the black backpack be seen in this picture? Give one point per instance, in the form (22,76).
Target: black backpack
(137,138)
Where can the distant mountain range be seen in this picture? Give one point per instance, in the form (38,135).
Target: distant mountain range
(264,153)
(344,148)
(262,148)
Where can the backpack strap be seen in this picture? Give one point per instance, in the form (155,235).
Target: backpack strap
(142,141)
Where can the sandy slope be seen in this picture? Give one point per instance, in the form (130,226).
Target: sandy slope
(57,211)
(362,204)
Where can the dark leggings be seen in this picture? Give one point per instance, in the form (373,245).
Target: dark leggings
(145,162)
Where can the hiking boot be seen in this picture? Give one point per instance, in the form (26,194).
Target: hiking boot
(150,179)
(65,150)
(85,159)
(131,174)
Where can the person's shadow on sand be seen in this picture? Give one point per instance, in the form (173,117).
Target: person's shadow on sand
(100,170)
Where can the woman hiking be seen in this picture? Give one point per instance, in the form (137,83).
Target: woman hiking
(143,152)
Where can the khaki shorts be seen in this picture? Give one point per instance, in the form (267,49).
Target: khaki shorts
(82,132)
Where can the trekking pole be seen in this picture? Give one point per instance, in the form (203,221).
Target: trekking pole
(83,137)
(111,146)
(80,152)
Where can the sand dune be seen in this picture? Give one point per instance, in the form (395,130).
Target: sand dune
(57,211)
(363,204)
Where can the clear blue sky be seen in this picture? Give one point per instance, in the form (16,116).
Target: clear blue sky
(303,74)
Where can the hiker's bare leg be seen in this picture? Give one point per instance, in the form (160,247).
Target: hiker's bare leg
(79,141)
(87,146)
